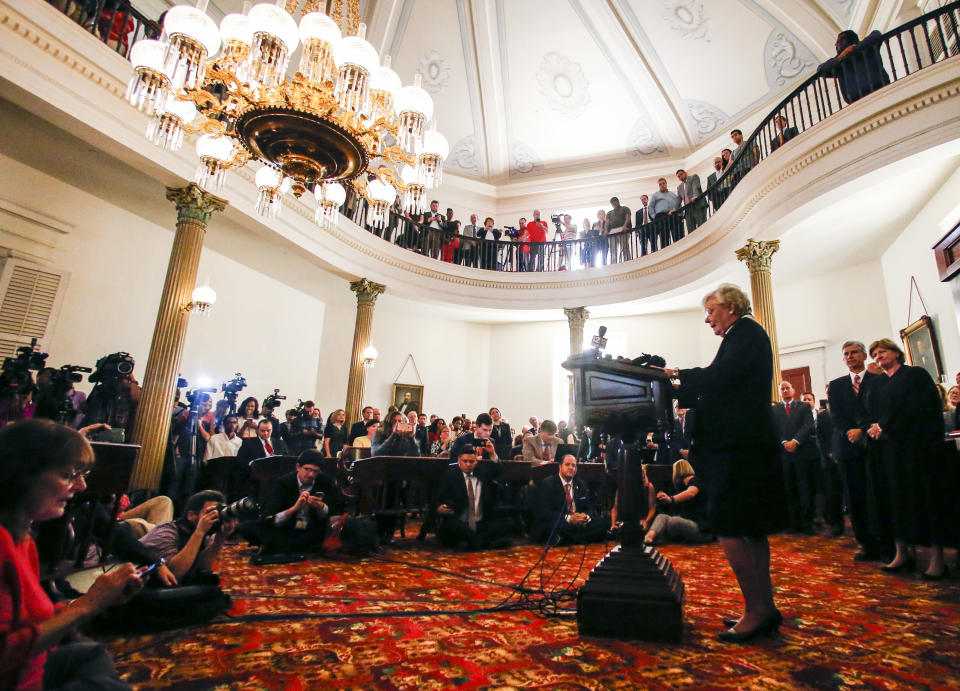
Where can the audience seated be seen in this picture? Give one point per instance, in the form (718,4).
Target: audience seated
(542,447)
(689,523)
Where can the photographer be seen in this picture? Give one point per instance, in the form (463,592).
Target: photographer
(192,543)
(304,429)
(297,515)
(114,399)
(57,399)
(395,438)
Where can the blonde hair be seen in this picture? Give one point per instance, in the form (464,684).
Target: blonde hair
(681,470)
(729,294)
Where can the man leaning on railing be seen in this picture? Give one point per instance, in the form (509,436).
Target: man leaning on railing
(857,67)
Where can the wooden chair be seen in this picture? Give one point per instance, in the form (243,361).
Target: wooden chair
(266,470)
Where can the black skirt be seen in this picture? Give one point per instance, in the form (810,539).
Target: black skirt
(745,492)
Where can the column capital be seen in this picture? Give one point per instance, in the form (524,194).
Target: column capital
(194,203)
(367,291)
(758,254)
(576,316)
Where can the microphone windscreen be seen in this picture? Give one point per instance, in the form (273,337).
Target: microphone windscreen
(602,331)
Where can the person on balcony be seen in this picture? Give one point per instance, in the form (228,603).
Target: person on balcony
(690,194)
(663,207)
(716,190)
(536,233)
(783,133)
(618,223)
(858,67)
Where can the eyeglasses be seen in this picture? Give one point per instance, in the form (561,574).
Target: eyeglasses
(72,476)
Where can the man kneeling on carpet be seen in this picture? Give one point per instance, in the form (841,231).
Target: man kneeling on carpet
(467,496)
(298,513)
(562,508)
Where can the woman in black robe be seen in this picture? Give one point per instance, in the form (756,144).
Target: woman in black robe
(738,453)
(906,424)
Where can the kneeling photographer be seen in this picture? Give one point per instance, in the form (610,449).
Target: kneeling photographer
(297,515)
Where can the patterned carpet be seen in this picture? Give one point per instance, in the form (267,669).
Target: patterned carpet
(381,624)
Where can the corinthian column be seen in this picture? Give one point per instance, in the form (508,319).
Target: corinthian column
(758,256)
(367,292)
(152,425)
(576,318)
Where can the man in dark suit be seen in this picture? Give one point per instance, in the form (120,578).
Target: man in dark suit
(466,499)
(783,133)
(297,514)
(359,428)
(681,438)
(845,397)
(800,455)
(251,449)
(828,485)
(562,508)
(408,404)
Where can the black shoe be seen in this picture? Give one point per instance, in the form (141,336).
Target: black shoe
(775,619)
(938,577)
(902,567)
(768,628)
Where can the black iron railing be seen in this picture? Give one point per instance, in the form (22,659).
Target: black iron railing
(879,60)
(114,22)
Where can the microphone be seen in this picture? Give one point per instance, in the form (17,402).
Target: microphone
(598,341)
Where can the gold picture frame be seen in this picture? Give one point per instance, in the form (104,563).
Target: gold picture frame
(399,400)
(921,348)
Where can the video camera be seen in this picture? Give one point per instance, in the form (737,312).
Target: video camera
(511,231)
(557,220)
(273,400)
(112,368)
(27,358)
(232,387)
(194,395)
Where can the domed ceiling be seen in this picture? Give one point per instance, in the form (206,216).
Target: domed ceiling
(527,88)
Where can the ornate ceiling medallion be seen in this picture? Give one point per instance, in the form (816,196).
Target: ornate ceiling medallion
(563,84)
(686,16)
(435,71)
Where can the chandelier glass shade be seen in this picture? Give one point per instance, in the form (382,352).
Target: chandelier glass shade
(342,117)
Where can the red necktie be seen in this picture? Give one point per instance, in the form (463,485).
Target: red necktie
(787,407)
(856,383)
(269,448)
(569,497)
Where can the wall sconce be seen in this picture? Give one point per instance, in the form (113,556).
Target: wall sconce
(369,356)
(202,300)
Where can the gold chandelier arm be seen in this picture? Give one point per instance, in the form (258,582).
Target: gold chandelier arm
(360,185)
(395,155)
(239,159)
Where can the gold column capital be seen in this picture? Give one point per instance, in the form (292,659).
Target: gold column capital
(194,203)
(576,316)
(758,254)
(367,291)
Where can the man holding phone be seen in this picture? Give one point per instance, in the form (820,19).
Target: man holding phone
(297,515)
(479,439)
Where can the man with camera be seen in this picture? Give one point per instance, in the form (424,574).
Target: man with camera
(114,399)
(304,430)
(191,544)
(298,512)
(479,440)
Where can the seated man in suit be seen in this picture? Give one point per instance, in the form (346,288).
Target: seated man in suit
(251,449)
(562,508)
(542,446)
(466,497)
(298,512)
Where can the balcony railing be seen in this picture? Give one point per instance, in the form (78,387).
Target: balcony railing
(877,61)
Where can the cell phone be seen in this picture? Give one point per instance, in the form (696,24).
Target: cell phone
(316,493)
(404,427)
(150,569)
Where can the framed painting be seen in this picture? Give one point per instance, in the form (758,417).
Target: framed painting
(407,397)
(920,341)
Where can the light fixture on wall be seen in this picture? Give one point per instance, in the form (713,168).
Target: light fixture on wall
(201,300)
(342,117)
(369,356)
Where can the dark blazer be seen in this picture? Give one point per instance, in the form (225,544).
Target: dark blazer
(453,490)
(788,134)
(251,449)
(550,502)
(357,429)
(847,410)
(286,489)
(502,440)
(420,435)
(797,425)
(732,394)
(824,425)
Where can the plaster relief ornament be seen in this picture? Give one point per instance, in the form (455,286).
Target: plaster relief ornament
(686,16)
(785,61)
(563,84)
(523,159)
(707,117)
(463,156)
(643,141)
(435,71)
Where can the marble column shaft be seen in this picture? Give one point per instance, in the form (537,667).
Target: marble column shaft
(152,425)
(759,255)
(576,318)
(367,292)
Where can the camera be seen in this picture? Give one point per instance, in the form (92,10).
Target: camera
(27,358)
(182,383)
(112,367)
(511,231)
(194,395)
(404,427)
(232,387)
(273,400)
(68,375)
(241,508)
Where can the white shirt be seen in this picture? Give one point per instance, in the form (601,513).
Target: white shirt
(857,374)
(222,445)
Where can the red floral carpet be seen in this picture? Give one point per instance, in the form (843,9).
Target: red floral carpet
(382,624)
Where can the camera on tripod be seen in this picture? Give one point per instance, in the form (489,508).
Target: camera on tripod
(112,368)
(27,358)
(557,220)
(273,400)
(232,387)
(195,395)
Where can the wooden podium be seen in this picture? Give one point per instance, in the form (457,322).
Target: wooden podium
(634,592)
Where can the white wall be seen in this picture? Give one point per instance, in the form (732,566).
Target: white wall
(911,255)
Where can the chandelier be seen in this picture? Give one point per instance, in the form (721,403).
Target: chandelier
(342,118)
